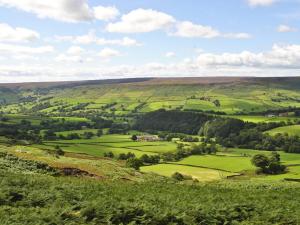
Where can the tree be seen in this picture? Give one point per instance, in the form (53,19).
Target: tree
(99,132)
(134,163)
(88,135)
(134,137)
(124,156)
(58,150)
(109,155)
(261,161)
(178,176)
(269,165)
(275,157)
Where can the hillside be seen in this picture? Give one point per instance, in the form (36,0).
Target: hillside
(151,151)
(125,97)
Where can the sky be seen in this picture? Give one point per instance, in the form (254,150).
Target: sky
(58,40)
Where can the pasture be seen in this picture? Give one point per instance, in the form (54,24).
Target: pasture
(201,174)
(227,163)
(115,143)
(290,130)
(265,119)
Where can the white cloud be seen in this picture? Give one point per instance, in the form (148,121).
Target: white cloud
(18,34)
(91,38)
(105,13)
(237,35)
(147,20)
(75,50)
(170,54)
(261,2)
(107,53)
(69,58)
(190,30)
(282,56)
(20,49)
(62,10)
(141,21)
(285,29)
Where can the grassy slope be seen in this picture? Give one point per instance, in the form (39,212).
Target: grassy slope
(202,174)
(195,94)
(99,167)
(48,200)
(290,130)
(115,143)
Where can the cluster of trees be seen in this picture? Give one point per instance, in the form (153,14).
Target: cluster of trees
(195,149)
(236,133)
(134,162)
(172,121)
(25,130)
(268,165)
(183,137)
(22,131)
(50,135)
(99,122)
(271,111)
(57,125)
(119,128)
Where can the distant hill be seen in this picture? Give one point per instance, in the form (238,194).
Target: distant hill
(122,97)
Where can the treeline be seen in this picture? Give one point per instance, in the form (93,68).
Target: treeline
(295,110)
(32,133)
(172,121)
(236,133)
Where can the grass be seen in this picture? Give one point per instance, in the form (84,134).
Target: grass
(79,132)
(115,143)
(286,158)
(202,174)
(102,168)
(42,199)
(259,119)
(290,130)
(226,163)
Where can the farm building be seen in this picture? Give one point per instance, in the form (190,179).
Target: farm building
(148,138)
(284,114)
(271,115)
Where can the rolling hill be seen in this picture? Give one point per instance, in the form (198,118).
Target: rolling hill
(231,95)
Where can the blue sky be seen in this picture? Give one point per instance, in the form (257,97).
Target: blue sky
(92,39)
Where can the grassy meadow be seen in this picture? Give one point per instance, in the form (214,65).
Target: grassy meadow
(114,143)
(290,130)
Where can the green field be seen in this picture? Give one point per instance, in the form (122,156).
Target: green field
(260,119)
(226,163)
(286,158)
(202,174)
(290,130)
(114,143)
(233,161)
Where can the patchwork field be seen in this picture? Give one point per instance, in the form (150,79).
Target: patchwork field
(115,143)
(139,97)
(231,162)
